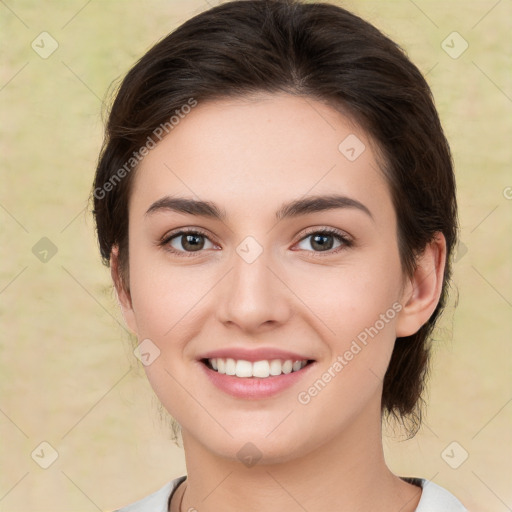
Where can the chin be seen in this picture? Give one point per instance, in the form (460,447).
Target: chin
(251,446)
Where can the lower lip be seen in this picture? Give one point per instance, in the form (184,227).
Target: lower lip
(255,387)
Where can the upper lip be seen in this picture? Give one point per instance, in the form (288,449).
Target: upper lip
(257,354)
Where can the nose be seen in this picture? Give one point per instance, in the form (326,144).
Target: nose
(254,296)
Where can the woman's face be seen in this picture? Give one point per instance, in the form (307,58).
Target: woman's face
(263,278)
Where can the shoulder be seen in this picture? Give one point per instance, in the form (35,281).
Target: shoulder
(435,498)
(157,501)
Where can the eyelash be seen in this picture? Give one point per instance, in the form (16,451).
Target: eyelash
(346,242)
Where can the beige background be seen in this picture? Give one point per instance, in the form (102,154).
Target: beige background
(68,375)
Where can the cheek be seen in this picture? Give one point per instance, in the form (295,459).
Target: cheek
(359,309)
(162,295)
(349,299)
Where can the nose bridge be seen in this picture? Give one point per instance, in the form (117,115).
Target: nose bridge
(253,294)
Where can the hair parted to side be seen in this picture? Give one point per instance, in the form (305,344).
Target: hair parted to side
(316,50)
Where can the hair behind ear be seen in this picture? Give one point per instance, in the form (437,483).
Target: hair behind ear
(423,300)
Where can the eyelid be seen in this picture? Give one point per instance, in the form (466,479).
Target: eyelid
(325,229)
(184,231)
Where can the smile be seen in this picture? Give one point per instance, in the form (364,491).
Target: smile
(257,379)
(260,369)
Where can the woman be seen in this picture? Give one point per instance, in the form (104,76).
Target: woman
(276,200)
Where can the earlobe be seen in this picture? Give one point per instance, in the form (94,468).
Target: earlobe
(423,290)
(122,292)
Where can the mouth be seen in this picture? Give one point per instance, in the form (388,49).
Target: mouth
(262,369)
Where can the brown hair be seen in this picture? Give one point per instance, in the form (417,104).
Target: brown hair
(317,50)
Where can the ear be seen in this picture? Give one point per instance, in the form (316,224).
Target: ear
(422,291)
(122,291)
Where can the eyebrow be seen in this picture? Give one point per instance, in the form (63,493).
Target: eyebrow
(303,206)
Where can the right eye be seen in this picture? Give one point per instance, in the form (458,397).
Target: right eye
(185,241)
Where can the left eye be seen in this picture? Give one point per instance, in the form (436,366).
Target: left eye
(322,241)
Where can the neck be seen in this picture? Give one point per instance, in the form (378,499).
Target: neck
(345,473)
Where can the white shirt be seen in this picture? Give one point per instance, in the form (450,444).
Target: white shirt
(434,498)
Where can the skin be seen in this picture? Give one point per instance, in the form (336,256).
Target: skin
(249,156)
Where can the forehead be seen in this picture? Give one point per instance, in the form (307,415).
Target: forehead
(249,153)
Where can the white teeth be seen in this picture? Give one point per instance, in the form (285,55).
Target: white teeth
(258,369)
(243,369)
(296,366)
(230,366)
(287,366)
(275,367)
(261,369)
